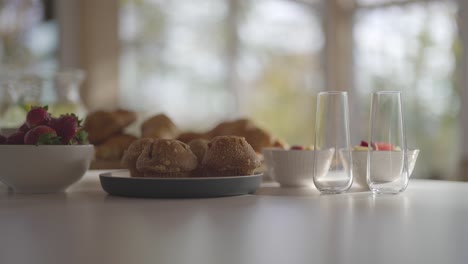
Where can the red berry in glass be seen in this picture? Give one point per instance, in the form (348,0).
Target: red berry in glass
(384,146)
(297,147)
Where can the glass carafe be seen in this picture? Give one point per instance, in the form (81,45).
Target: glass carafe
(18,91)
(67,89)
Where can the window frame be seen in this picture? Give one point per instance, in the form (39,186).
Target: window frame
(463,88)
(89,39)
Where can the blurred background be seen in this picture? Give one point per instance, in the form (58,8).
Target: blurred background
(201,62)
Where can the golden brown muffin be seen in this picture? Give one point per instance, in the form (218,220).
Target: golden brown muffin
(186,137)
(199,147)
(131,155)
(159,126)
(232,128)
(114,147)
(230,156)
(258,138)
(167,158)
(101,125)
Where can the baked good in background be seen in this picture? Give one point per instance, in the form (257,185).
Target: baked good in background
(166,158)
(131,155)
(101,125)
(106,132)
(159,126)
(258,138)
(113,148)
(230,128)
(186,137)
(278,143)
(229,156)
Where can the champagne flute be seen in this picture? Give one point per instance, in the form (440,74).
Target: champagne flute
(333,161)
(387,161)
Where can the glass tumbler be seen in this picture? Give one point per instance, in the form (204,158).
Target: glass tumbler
(333,156)
(387,161)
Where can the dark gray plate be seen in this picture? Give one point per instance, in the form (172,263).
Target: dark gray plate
(120,183)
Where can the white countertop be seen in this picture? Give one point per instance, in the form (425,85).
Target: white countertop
(426,224)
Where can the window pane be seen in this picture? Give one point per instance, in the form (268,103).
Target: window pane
(280,66)
(413,48)
(173,59)
(202,62)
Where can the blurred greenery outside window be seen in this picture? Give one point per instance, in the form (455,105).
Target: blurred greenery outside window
(206,61)
(414,48)
(28,45)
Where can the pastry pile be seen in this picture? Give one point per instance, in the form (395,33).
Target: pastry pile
(257,137)
(106,132)
(171,158)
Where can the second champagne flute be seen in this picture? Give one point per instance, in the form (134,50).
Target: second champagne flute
(333,161)
(387,163)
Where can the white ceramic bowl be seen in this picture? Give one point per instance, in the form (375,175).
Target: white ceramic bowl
(43,169)
(295,168)
(268,162)
(382,168)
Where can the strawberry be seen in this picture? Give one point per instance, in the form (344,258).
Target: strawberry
(364,144)
(37,116)
(384,146)
(297,148)
(67,127)
(81,137)
(52,121)
(3,140)
(42,135)
(24,128)
(16,138)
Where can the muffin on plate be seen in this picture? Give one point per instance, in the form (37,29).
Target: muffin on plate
(167,158)
(159,126)
(229,156)
(199,147)
(131,155)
